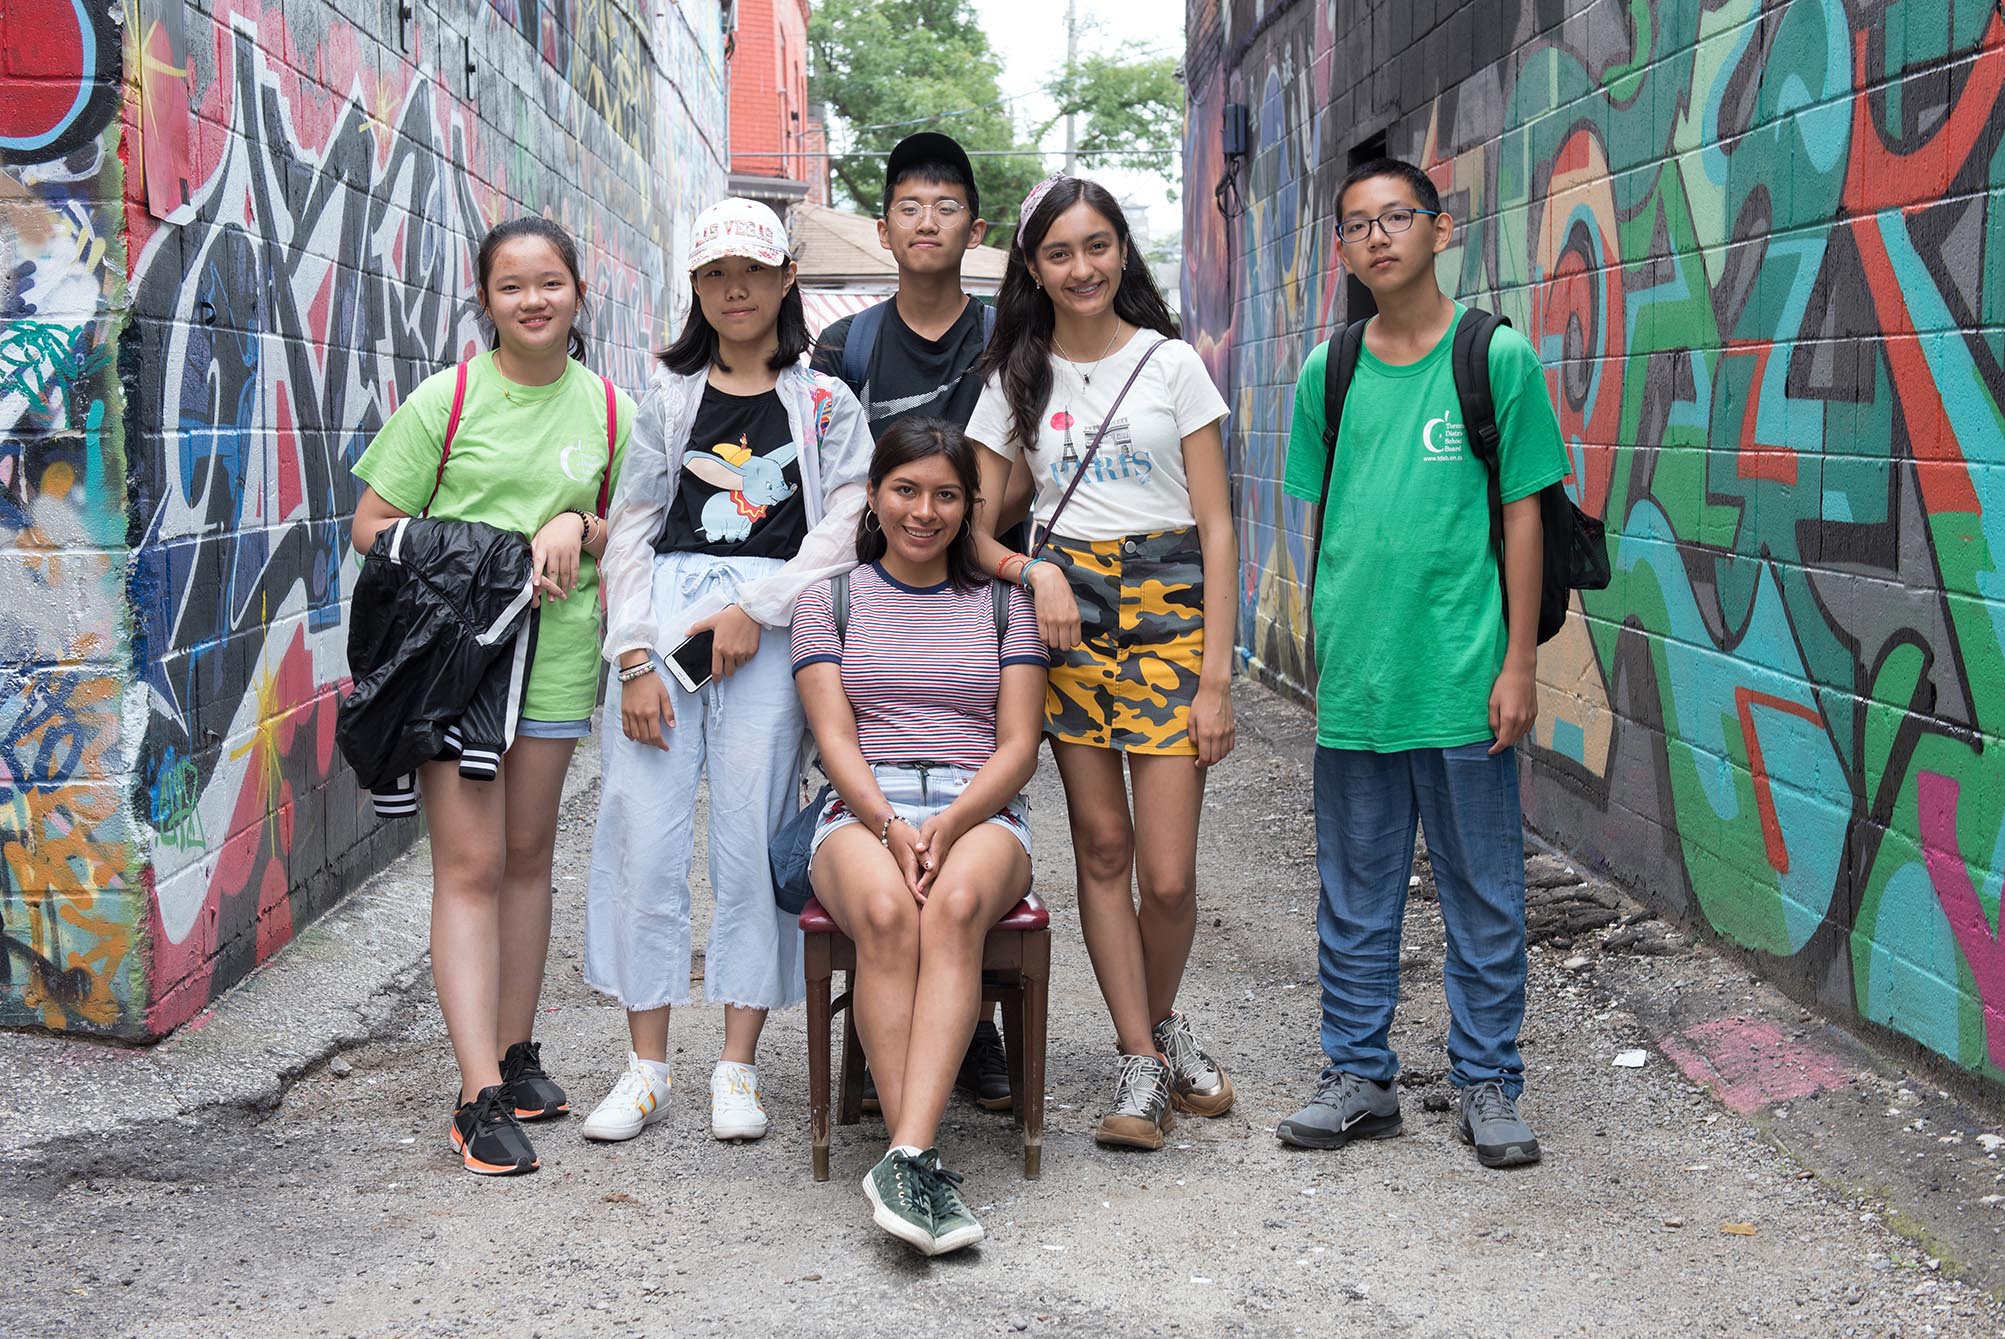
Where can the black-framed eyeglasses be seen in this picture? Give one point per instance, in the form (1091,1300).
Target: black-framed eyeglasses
(1392,221)
(946,213)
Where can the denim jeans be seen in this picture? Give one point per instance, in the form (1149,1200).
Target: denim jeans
(1367,807)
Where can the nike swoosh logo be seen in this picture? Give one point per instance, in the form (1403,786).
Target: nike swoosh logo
(1353,1120)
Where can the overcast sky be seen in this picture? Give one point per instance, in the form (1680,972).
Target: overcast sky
(1029,35)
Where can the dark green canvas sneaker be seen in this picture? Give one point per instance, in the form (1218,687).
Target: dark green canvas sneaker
(900,1192)
(953,1225)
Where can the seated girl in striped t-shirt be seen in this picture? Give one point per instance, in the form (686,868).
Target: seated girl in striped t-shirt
(926,703)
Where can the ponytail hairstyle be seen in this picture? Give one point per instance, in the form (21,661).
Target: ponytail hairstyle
(567,251)
(1021,349)
(914,439)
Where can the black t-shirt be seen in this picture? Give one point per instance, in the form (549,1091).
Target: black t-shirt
(739,495)
(910,375)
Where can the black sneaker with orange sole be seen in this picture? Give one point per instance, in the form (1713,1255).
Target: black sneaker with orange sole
(532,1094)
(489,1139)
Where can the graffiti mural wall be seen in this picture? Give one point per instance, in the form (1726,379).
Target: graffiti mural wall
(1760,246)
(232,241)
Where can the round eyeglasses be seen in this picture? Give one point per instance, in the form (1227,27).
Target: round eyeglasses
(1392,221)
(946,213)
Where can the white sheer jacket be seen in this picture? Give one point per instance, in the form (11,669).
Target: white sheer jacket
(835,467)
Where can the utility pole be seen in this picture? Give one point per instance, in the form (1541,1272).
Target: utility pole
(1071,59)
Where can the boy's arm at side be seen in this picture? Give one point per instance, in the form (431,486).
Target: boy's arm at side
(1533,456)
(1514,698)
(1303,475)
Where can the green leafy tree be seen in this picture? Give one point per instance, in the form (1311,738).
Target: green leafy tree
(889,68)
(1131,112)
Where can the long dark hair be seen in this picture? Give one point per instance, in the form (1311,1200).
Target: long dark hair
(1021,348)
(914,439)
(695,349)
(567,251)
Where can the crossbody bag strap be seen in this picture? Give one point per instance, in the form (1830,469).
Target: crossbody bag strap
(1106,420)
(452,427)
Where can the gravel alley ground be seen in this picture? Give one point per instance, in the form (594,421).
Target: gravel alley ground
(311,1202)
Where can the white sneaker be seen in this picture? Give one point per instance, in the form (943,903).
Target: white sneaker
(735,1110)
(637,1101)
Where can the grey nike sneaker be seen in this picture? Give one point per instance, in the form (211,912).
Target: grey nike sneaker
(1491,1122)
(1344,1108)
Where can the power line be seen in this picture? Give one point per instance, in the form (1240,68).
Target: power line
(938,116)
(981,153)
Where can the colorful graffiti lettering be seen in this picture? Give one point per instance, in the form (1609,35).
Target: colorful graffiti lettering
(1756,244)
(273,260)
(68,850)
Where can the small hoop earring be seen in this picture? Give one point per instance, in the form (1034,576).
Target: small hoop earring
(871,525)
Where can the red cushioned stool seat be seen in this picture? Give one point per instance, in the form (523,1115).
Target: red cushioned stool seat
(1016,972)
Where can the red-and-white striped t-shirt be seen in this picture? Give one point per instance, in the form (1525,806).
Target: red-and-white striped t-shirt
(921,667)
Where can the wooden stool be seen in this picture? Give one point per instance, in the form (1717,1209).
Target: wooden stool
(1016,972)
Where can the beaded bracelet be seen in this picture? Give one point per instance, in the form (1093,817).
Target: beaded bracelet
(585,519)
(884,833)
(1009,558)
(628,673)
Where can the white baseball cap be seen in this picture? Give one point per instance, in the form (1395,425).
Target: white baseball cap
(738,227)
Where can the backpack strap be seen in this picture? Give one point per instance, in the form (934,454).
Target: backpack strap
(612,444)
(1471,356)
(1340,366)
(452,428)
(988,320)
(860,342)
(999,592)
(839,589)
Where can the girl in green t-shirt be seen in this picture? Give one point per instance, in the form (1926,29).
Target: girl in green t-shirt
(530,454)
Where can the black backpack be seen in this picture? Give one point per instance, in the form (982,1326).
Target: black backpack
(1576,547)
(861,340)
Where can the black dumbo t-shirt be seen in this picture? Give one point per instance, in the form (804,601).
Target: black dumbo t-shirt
(740,491)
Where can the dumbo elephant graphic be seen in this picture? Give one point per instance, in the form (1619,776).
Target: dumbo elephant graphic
(752,483)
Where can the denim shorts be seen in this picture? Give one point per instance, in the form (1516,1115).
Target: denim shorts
(578,729)
(917,791)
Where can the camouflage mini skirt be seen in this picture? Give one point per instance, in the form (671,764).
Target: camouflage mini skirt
(1128,685)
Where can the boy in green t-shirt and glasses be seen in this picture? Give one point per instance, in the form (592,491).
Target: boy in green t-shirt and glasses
(1425,685)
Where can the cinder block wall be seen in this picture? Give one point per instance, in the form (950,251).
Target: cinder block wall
(233,236)
(1758,244)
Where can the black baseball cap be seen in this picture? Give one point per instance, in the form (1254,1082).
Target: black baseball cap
(930,146)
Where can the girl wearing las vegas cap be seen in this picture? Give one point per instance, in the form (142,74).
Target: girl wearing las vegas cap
(742,487)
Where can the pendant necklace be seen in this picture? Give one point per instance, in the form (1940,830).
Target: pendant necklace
(1085,380)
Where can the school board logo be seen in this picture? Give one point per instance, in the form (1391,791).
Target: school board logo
(1443,438)
(583,470)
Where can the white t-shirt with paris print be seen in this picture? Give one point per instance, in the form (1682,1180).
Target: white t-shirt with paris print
(1136,484)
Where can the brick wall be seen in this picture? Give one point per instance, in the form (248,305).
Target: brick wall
(769,90)
(234,234)
(1756,244)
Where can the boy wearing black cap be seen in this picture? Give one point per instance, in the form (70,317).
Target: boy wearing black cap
(912,353)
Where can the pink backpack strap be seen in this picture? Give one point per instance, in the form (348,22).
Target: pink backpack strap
(612,441)
(452,427)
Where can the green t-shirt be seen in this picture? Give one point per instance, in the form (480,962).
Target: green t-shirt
(521,455)
(1409,620)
